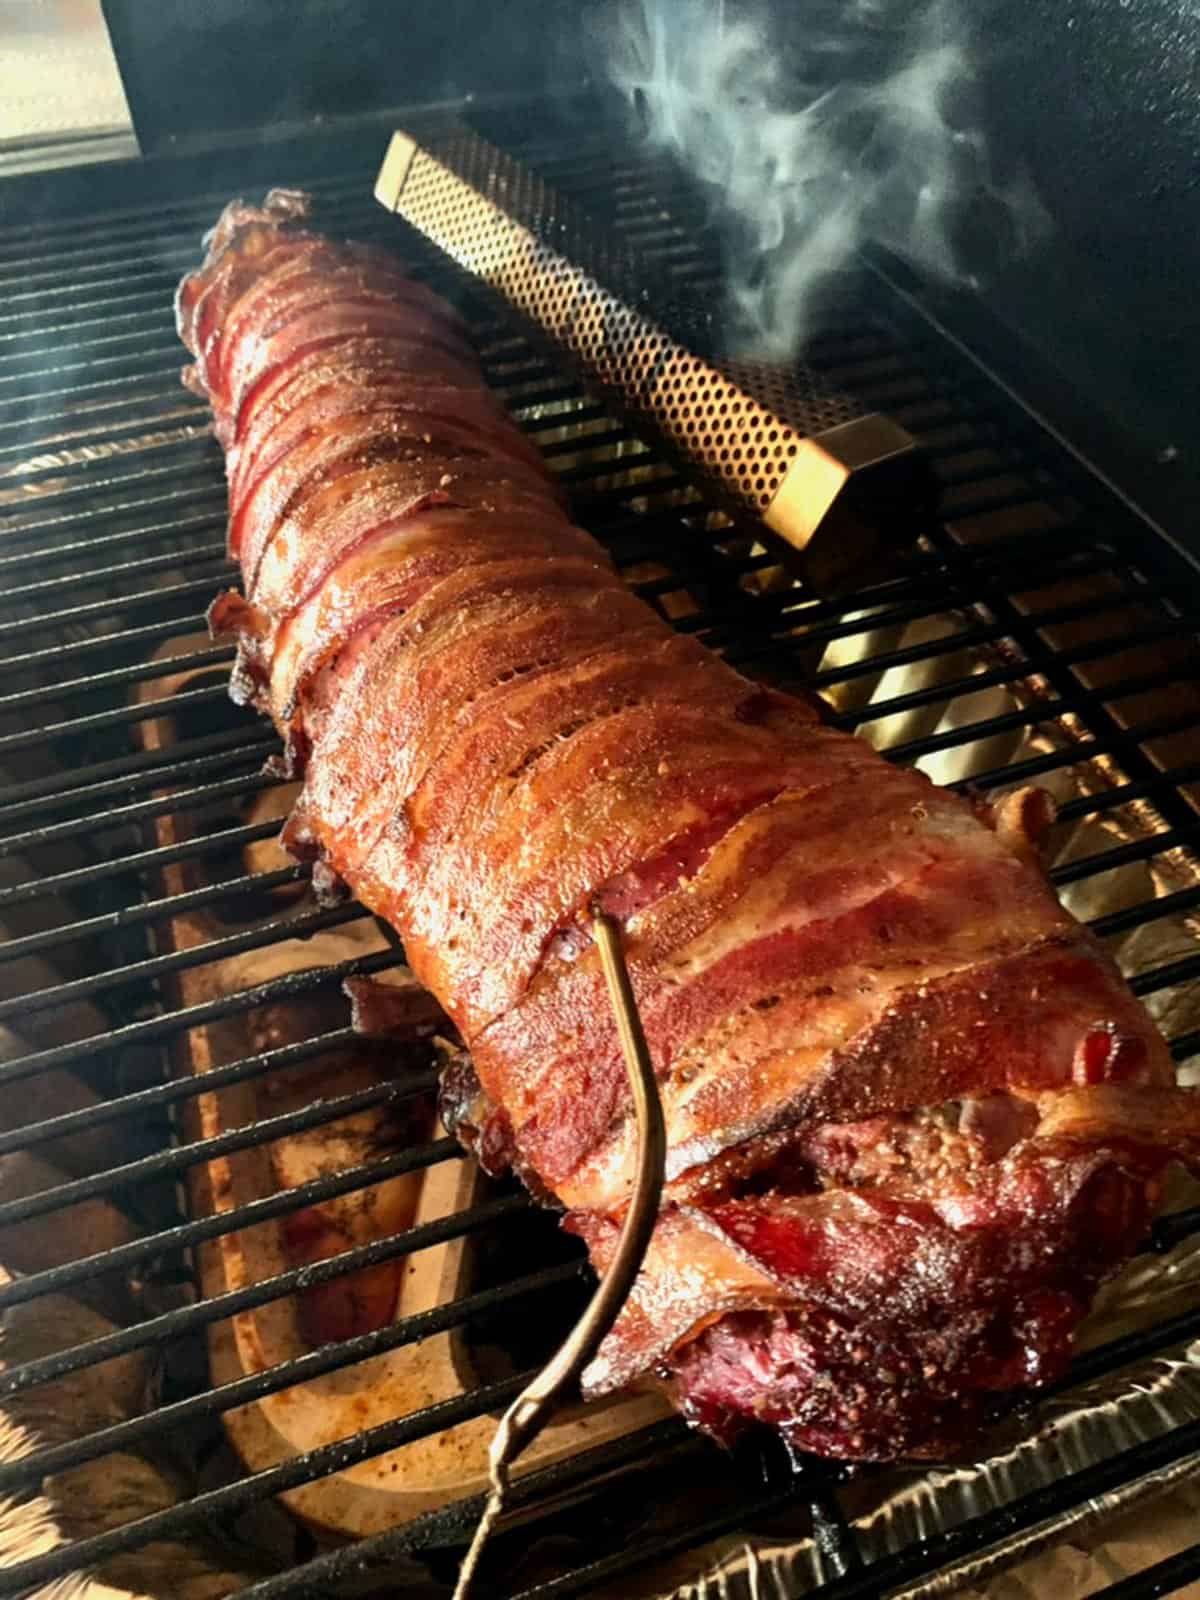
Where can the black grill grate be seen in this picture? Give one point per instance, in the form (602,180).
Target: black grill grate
(111,545)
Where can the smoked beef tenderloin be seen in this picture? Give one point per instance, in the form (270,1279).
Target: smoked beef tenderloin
(914,1113)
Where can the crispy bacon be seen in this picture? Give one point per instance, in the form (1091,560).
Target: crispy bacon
(914,1113)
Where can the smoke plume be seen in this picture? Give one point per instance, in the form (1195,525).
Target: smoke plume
(815,128)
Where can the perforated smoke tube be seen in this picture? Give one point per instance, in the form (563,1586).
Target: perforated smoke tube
(838,485)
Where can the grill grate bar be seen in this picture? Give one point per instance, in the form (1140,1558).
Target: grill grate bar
(312,1580)
(1119,1352)
(99,610)
(1002,496)
(1131,1349)
(1122,855)
(990,678)
(190,439)
(572,414)
(145,912)
(1186,1045)
(195,211)
(1075,699)
(100,576)
(151,324)
(159,286)
(1154,979)
(183,701)
(936,595)
(1072,1490)
(145,408)
(833,1535)
(943,585)
(281,1203)
(144,770)
(148,633)
(133,244)
(149,860)
(263,738)
(25,453)
(139,1102)
(909,655)
(118,816)
(644,1552)
(1080,751)
(1163,1577)
(30,1470)
(658,1447)
(54,314)
(292,926)
(104,516)
(24,405)
(148,337)
(134,281)
(119,483)
(927,1555)
(228,572)
(1170,779)
(17,361)
(1009,722)
(157,1029)
(1167,905)
(184,1235)
(955,640)
(1170,1230)
(289,927)
(181,1156)
(116,678)
(600,440)
(797,617)
(80,549)
(258,1486)
(188,1319)
(143,299)
(114,719)
(86,265)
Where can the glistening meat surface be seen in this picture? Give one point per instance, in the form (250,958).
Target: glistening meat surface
(914,1113)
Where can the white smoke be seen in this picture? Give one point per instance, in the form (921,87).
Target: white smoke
(852,123)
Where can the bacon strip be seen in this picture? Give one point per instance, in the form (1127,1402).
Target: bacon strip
(912,1107)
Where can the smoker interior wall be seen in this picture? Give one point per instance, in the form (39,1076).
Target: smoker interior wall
(1102,102)
(197,66)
